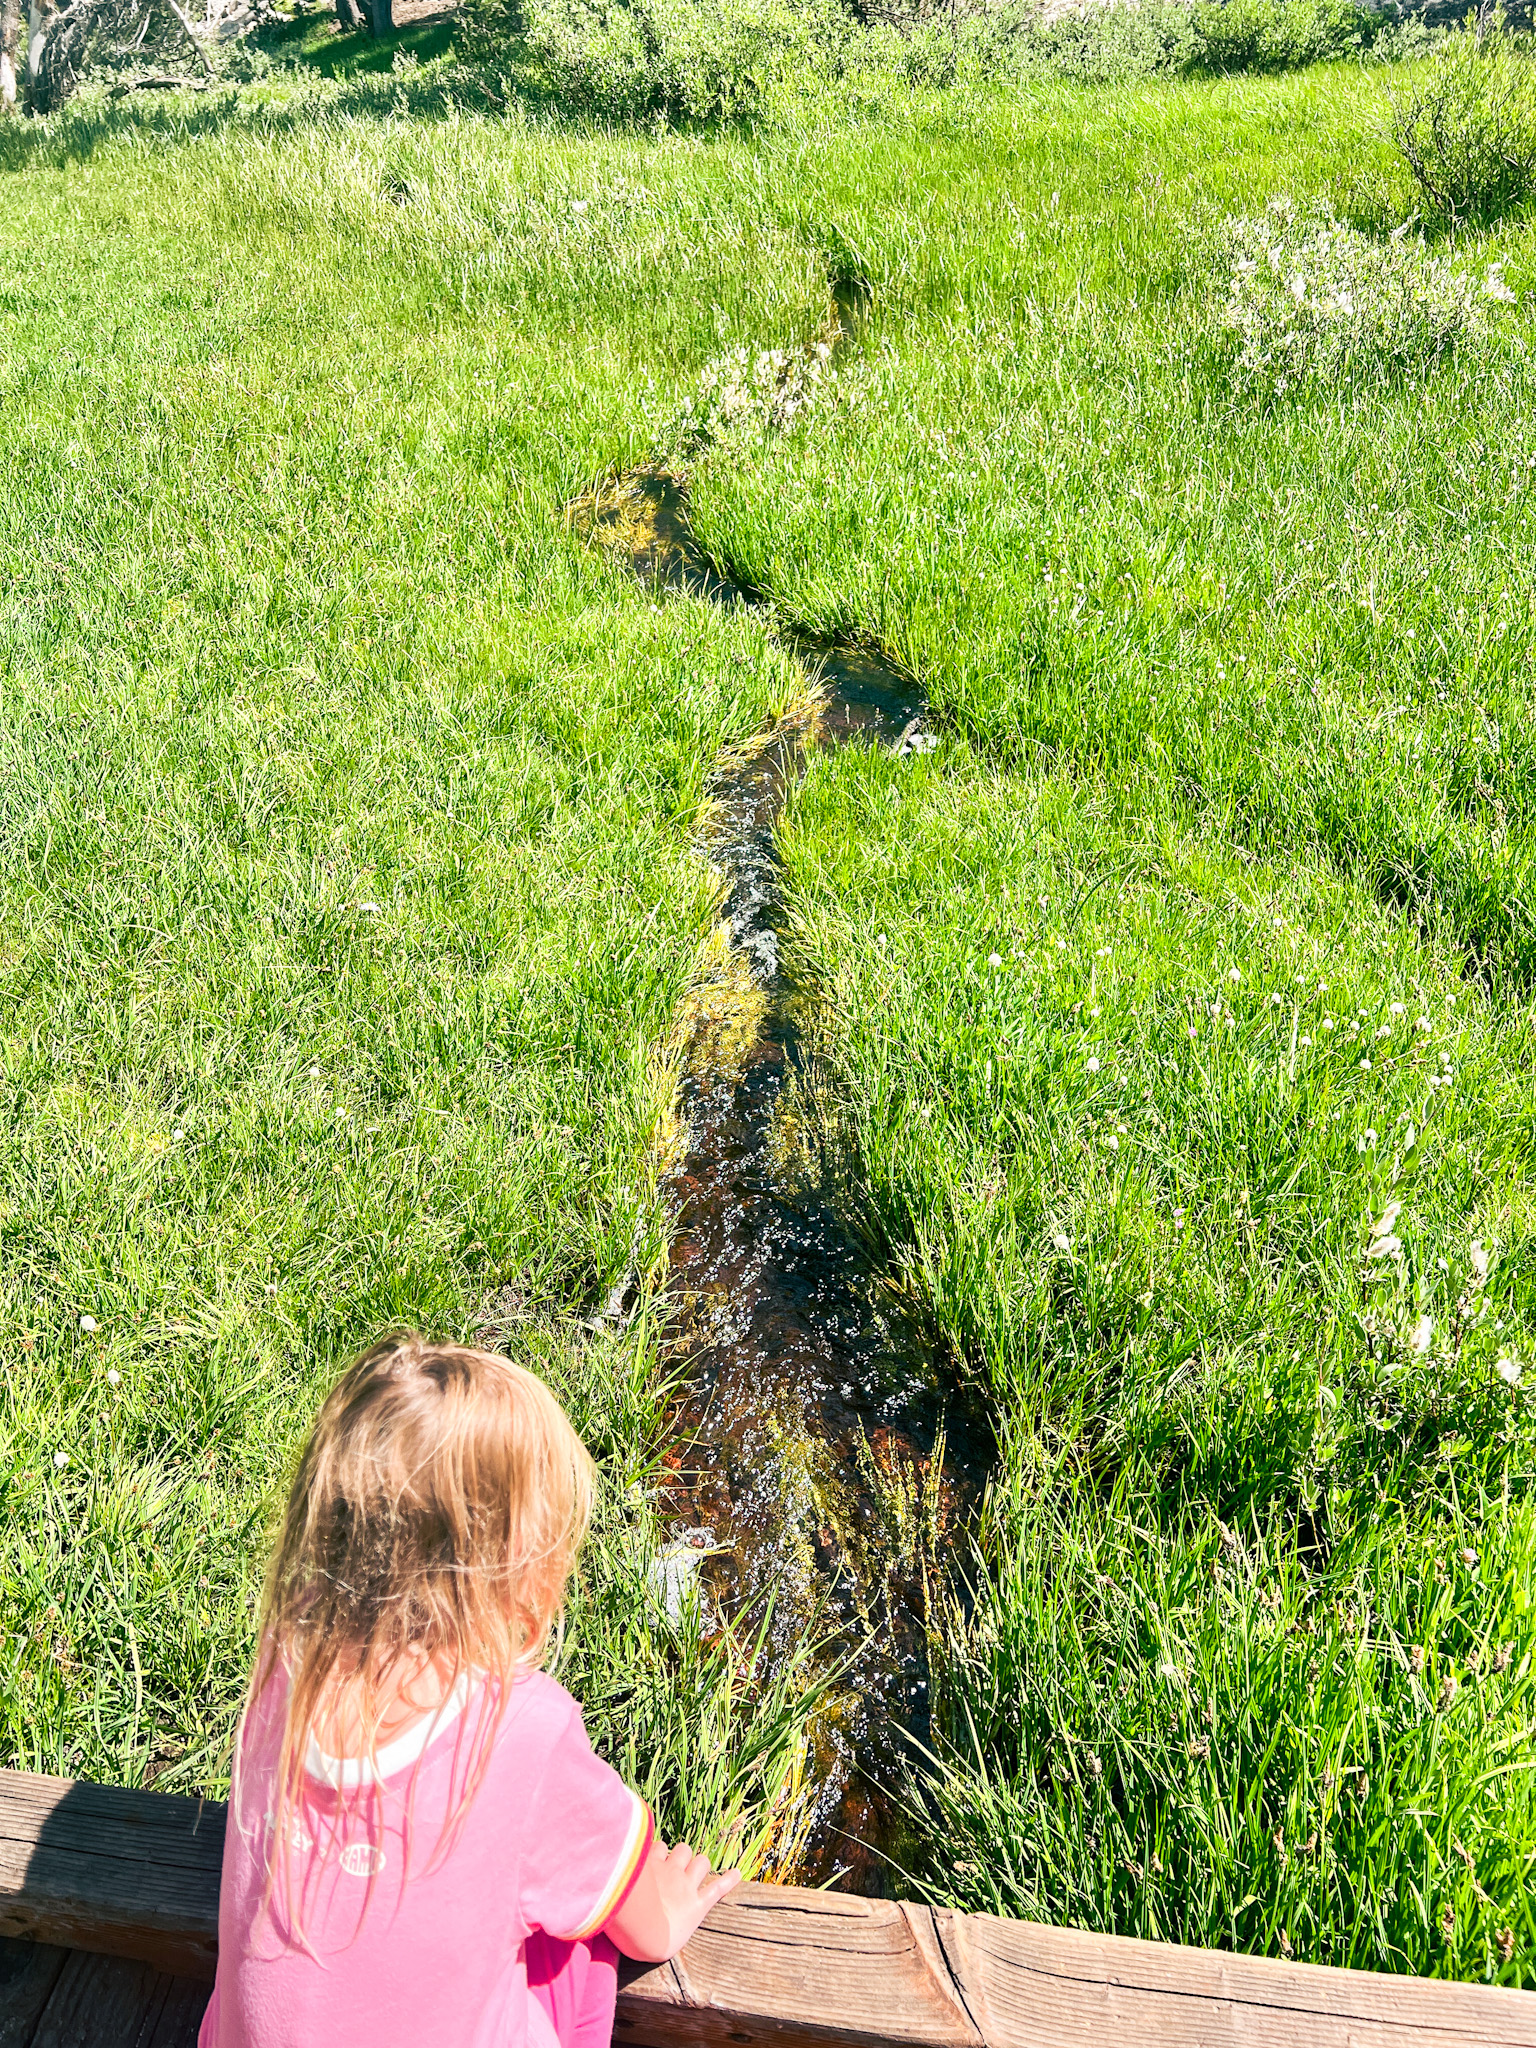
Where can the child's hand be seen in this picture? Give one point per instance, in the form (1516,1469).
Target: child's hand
(671,1896)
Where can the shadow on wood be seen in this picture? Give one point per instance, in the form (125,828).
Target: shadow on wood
(117,1872)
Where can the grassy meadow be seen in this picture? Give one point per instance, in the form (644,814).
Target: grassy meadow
(1176,1008)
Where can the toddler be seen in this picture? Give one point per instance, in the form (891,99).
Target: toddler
(422,1847)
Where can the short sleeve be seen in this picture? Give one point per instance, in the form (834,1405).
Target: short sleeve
(587,1840)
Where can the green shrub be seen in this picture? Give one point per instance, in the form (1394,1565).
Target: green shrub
(1467,131)
(1099,44)
(620,59)
(632,58)
(1307,296)
(1279,35)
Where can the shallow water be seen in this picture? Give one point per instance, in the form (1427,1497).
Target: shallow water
(823,1461)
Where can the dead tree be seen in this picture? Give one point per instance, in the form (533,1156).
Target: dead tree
(10,31)
(65,41)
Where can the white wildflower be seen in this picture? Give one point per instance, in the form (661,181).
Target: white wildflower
(1062,1242)
(1479,1259)
(60,1460)
(113,1376)
(1507,1368)
(88,1324)
(1422,1335)
(994,959)
(1494,286)
(1093,1065)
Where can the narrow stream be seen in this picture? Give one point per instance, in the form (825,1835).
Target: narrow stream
(825,1460)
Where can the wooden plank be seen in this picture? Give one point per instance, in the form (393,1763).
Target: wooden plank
(1029,1983)
(28,1972)
(775,1964)
(795,1969)
(115,1871)
(102,2002)
(186,2000)
(134,1874)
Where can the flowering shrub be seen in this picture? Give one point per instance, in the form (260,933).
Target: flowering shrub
(1308,296)
(745,395)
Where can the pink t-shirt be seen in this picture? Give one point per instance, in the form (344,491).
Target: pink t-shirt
(400,1944)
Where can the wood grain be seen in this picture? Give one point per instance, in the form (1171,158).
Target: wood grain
(103,2002)
(1033,1983)
(118,1872)
(28,1972)
(796,1969)
(136,1875)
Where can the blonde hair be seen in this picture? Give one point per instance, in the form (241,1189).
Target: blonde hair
(436,1512)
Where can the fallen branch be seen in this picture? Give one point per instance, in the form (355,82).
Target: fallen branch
(194,39)
(156,81)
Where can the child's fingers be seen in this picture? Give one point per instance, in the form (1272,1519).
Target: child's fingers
(722,1882)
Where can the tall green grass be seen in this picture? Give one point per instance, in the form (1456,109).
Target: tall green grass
(1202,940)
(349,892)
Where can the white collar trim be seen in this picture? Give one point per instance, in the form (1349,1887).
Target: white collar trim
(351,1773)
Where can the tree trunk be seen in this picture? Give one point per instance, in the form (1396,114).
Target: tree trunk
(39,14)
(381,17)
(347,15)
(10,29)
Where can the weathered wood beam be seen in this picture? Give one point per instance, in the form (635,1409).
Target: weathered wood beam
(119,1873)
(137,1874)
(773,1965)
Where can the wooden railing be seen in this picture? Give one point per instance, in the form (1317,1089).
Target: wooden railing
(136,1874)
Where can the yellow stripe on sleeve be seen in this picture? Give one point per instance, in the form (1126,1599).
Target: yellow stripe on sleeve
(637,1845)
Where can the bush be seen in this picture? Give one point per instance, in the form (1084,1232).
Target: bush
(1279,35)
(1307,296)
(629,58)
(1100,43)
(621,59)
(1468,130)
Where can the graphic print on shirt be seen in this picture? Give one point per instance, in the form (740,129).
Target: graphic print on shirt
(362,1859)
(297,1838)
